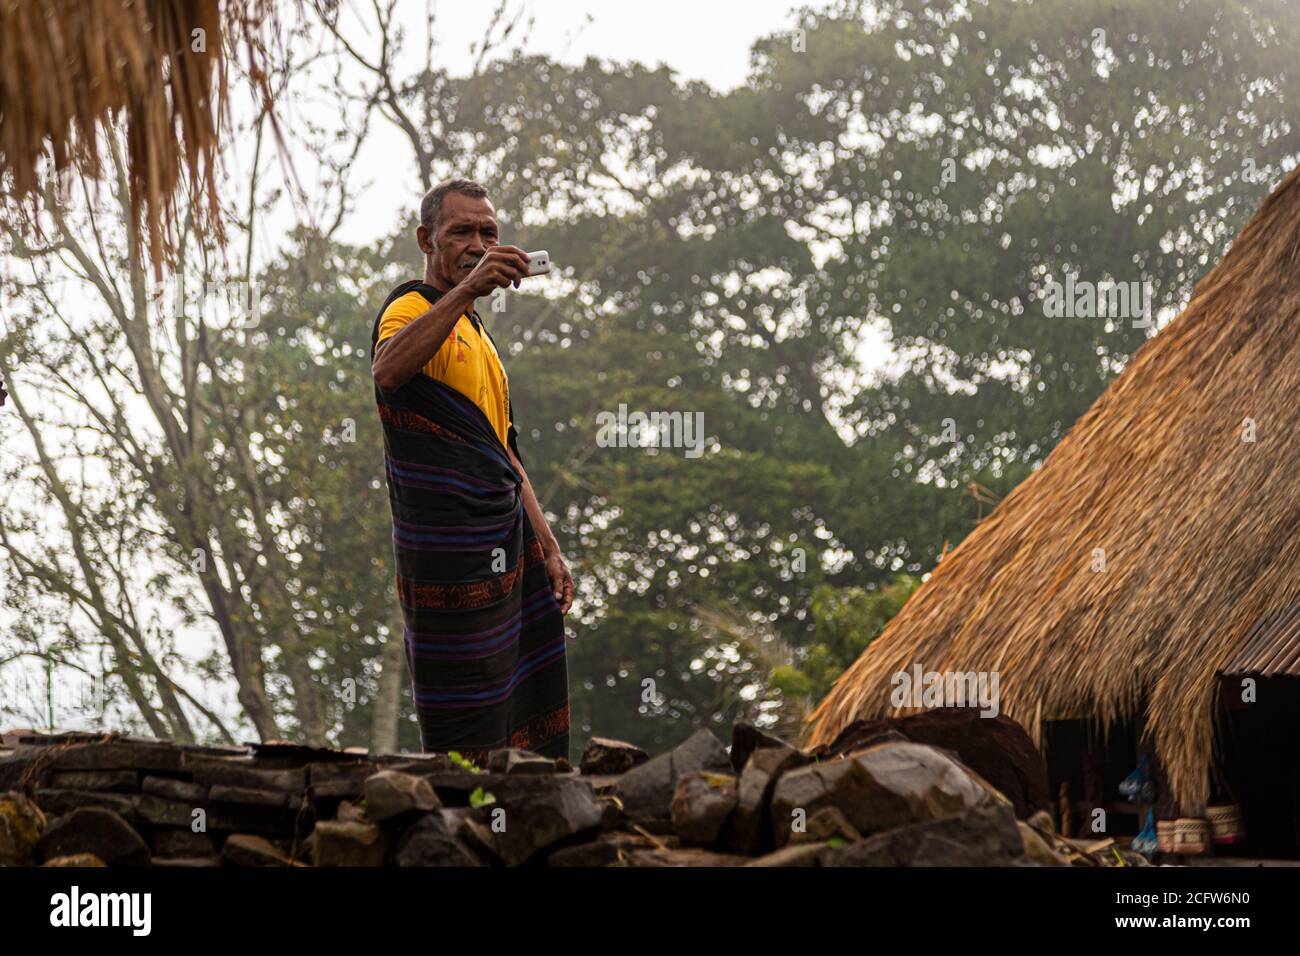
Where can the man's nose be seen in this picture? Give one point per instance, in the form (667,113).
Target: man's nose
(477,246)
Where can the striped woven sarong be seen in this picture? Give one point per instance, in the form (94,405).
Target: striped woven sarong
(484,634)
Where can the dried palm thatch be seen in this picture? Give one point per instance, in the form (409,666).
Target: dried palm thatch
(1200,530)
(71,68)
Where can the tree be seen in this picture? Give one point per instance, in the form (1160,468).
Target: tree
(197,442)
(845,621)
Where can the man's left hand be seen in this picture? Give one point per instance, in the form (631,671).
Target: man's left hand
(561,579)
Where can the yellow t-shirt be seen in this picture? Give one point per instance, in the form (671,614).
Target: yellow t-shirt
(467,361)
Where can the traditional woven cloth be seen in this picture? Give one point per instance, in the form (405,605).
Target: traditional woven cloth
(484,634)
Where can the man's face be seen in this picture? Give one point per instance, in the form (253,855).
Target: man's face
(467,230)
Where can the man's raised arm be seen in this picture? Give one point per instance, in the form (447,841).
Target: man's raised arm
(398,358)
(410,348)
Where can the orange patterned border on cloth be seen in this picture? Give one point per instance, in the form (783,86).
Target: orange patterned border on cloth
(474,594)
(400,418)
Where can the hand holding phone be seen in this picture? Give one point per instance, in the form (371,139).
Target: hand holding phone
(539,263)
(499,267)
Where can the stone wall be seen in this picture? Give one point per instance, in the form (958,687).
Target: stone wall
(90,799)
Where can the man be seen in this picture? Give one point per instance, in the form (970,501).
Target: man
(480,577)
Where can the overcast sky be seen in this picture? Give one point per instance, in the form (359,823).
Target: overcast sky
(699,40)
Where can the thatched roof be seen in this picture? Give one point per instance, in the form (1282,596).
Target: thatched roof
(1271,648)
(68,68)
(1200,530)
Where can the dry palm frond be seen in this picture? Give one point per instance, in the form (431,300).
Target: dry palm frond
(1197,524)
(765,648)
(983,496)
(69,69)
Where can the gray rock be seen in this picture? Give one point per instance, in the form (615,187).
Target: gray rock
(601,784)
(531,814)
(605,756)
(26,737)
(700,751)
(121,780)
(888,786)
(254,796)
(745,739)
(163,813)
(508,760)
(19,766)
(828,823)
(178,842)
(476,835)
(410,763)
(598,853)
(983,836)
(249,849)
(433,841)
(348,780)
(997,748)
(351,811)
(700,806)
(119,754)
(646,792)
(393,797)
(346,843)
(749,830)
(247,818)
(213,750)
(94,830)
(1042,820)
(1036,848)
(455,787)
(244,772)
(58,802)
(134,808)
(169,789)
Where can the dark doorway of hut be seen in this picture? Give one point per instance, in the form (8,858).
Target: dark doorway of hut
(1258,751)
(1085,767)
(1256,765)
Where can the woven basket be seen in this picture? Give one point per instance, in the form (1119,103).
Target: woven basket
(1226,824)
(1165,835)
(1191,836)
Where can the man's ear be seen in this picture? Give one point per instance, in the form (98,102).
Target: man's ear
(425,240)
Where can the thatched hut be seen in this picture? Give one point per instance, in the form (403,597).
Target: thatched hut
(1157,547)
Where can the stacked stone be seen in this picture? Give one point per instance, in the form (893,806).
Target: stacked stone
(118,800)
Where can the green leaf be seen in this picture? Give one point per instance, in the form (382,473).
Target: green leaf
(461,762)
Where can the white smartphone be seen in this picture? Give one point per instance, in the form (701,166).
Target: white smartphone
(539,263)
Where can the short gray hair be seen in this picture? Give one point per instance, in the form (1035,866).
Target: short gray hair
(431,204)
